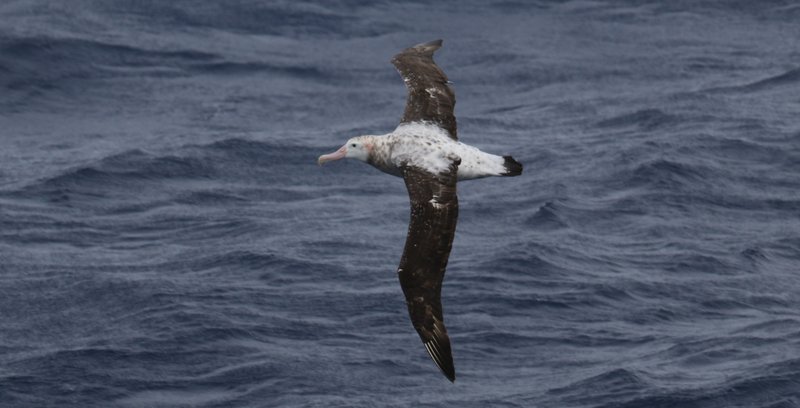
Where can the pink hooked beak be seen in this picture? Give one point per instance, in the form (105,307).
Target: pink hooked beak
(339,154)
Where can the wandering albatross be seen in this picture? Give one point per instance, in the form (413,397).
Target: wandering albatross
(426,153)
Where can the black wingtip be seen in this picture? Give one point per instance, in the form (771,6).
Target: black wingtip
(439,351)
(446,367)
(513,167)
(450,375)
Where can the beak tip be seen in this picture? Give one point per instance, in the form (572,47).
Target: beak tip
(339,154)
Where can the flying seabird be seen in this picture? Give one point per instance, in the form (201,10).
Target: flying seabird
(424,150)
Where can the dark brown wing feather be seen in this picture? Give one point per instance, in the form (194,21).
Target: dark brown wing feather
(430,99)
(434,212)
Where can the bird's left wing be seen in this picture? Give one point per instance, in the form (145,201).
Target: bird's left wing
(434,212)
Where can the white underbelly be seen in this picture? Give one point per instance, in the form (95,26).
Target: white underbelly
(428,147)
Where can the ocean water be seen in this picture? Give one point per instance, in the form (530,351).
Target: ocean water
(167,239)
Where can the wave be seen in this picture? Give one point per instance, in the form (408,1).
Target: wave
(670,174)
(648,119)
(609,387)
(547,217)
(774,386)
(281,270)
(787,80)
(284,19)
(46,62)
(227,159)
(120,174)
(136,199)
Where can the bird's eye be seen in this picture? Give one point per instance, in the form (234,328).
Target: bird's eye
(353,145)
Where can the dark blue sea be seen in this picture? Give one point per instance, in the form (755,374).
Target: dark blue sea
(168,240)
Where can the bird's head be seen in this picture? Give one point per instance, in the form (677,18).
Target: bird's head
(355,148)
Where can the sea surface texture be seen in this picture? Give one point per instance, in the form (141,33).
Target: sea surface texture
(167,238)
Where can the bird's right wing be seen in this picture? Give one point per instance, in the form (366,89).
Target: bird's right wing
(430,98)
(434,212)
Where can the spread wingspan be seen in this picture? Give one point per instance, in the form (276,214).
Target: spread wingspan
(430,98)
(425,151)
(434,212)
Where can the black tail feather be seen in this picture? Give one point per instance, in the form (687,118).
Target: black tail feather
(513,167)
